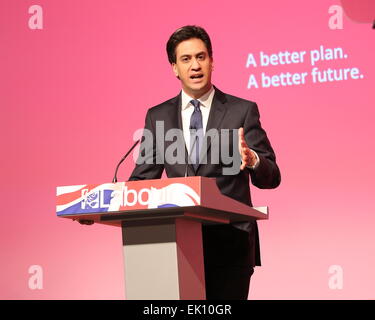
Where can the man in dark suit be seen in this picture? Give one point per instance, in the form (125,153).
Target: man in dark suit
(230,251)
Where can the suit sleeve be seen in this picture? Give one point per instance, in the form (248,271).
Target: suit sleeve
(267,174)
(147,166)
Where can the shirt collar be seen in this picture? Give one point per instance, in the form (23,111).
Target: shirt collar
(205,100)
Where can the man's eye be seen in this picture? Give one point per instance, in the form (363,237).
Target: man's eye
(201,57)
(186,59)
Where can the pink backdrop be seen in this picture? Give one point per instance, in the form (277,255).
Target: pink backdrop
(73,93)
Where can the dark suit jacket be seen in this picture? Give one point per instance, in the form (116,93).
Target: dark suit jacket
(227,112)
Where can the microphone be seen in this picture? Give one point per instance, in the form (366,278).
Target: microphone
(123,158)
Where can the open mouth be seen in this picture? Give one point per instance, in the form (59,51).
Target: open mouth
(196,76)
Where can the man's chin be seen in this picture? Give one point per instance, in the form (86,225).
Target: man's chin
(200,89)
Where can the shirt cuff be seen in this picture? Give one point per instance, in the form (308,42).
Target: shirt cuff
(256,165)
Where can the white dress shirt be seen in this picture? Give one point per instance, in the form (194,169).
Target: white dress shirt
(187,110)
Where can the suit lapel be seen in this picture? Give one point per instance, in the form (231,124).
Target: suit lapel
(178,108)
(217,111)
(216,116)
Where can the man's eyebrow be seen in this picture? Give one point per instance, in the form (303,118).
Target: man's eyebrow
(189,55)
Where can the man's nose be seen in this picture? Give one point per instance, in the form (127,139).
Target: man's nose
(195,64)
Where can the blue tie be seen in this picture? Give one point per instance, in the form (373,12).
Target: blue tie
(196,133)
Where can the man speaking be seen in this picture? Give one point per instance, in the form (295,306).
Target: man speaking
(230,251)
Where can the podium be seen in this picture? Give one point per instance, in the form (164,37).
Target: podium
(161,223)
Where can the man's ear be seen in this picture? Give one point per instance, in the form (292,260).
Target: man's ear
(174,67)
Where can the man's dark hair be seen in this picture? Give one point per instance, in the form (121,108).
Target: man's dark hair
(186,33)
